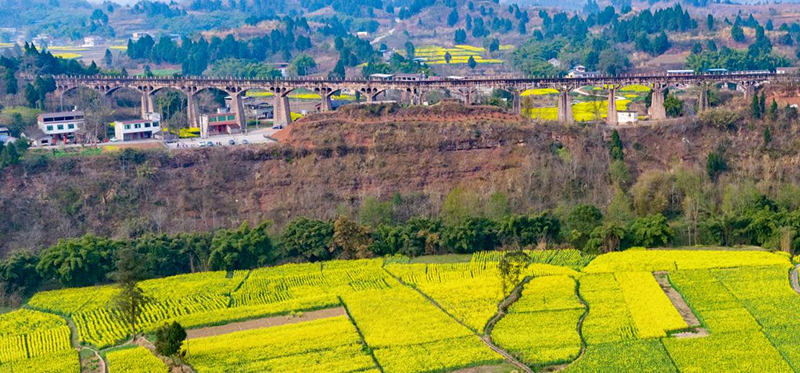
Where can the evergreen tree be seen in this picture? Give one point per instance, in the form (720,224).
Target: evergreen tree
(108,58)
(471,62)
(452,18)
(737,34)
(767,136)
(762,103)
(772,113)
(710,22)
(755,108)
(615,147)
(447,57)
(169,339)
(10,81)
(131,299)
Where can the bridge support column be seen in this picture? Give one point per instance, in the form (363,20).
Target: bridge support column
(749,91)
(468,98)
(516,102)
(611,117)
(147,103)
(282,112)
(192,111)
(237,106)
(564,106)
(702,103)
(326,104)
(657,110)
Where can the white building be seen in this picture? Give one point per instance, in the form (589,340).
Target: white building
(138,129)
(627,117)
(91,41)
(59,127)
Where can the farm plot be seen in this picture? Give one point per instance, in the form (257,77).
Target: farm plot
(134,360)
(328,345)
(753,316)
(651,310)
(628,356)
(609,319)
(29,338)
(541,327)
(409,334)
(468,292)
(460,54)
(674,260)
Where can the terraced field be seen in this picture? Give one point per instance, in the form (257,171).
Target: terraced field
(574,312)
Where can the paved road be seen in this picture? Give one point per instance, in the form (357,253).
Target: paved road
(252,136)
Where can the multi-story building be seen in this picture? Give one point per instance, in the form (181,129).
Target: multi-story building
(138,129)
(59,127)
(218,123)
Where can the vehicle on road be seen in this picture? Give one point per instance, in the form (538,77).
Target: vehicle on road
(245,142)
(232,142)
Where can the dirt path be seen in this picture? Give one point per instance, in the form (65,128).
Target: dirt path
(680,304)
(94,364)
(176,368)
(264,323)
(795,279)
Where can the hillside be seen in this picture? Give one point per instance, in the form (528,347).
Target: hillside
(332,162)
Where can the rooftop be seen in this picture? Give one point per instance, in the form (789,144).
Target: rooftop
(60,114)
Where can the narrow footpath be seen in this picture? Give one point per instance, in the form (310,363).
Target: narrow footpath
(795,279)
(264,323)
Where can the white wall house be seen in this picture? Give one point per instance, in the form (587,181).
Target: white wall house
(627,117)
(59,127)
(138,129)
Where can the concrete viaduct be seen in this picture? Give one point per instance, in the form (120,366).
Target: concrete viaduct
(412,92)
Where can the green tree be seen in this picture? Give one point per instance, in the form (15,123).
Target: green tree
(302,65)
(524,230)
(350,240)
(447,57)
(605,238)
(131,299)
(767,136)
(78,262)
(460,204)
(715,164)
(471,62)
(673,106)
(108,58)
(615,147)
(373,213)
(169,339)
(737,34)
(11,82)
(470,235)
(308,239)
(772,113)
(511,267)
(18,273)
(452,18)
(580,222)
(755,107)
(710,22)
(9,155)
(243,248)
(650,231)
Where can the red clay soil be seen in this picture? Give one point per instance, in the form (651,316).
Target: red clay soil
(264,323)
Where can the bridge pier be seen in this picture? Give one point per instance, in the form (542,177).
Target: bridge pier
(749,91)
(564,106)
(281,111)
(516,102)
(657,110)
(702,103)
(147,103)
(237,106)
(192,110)
(468,98)
(325,104)
(611,116)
